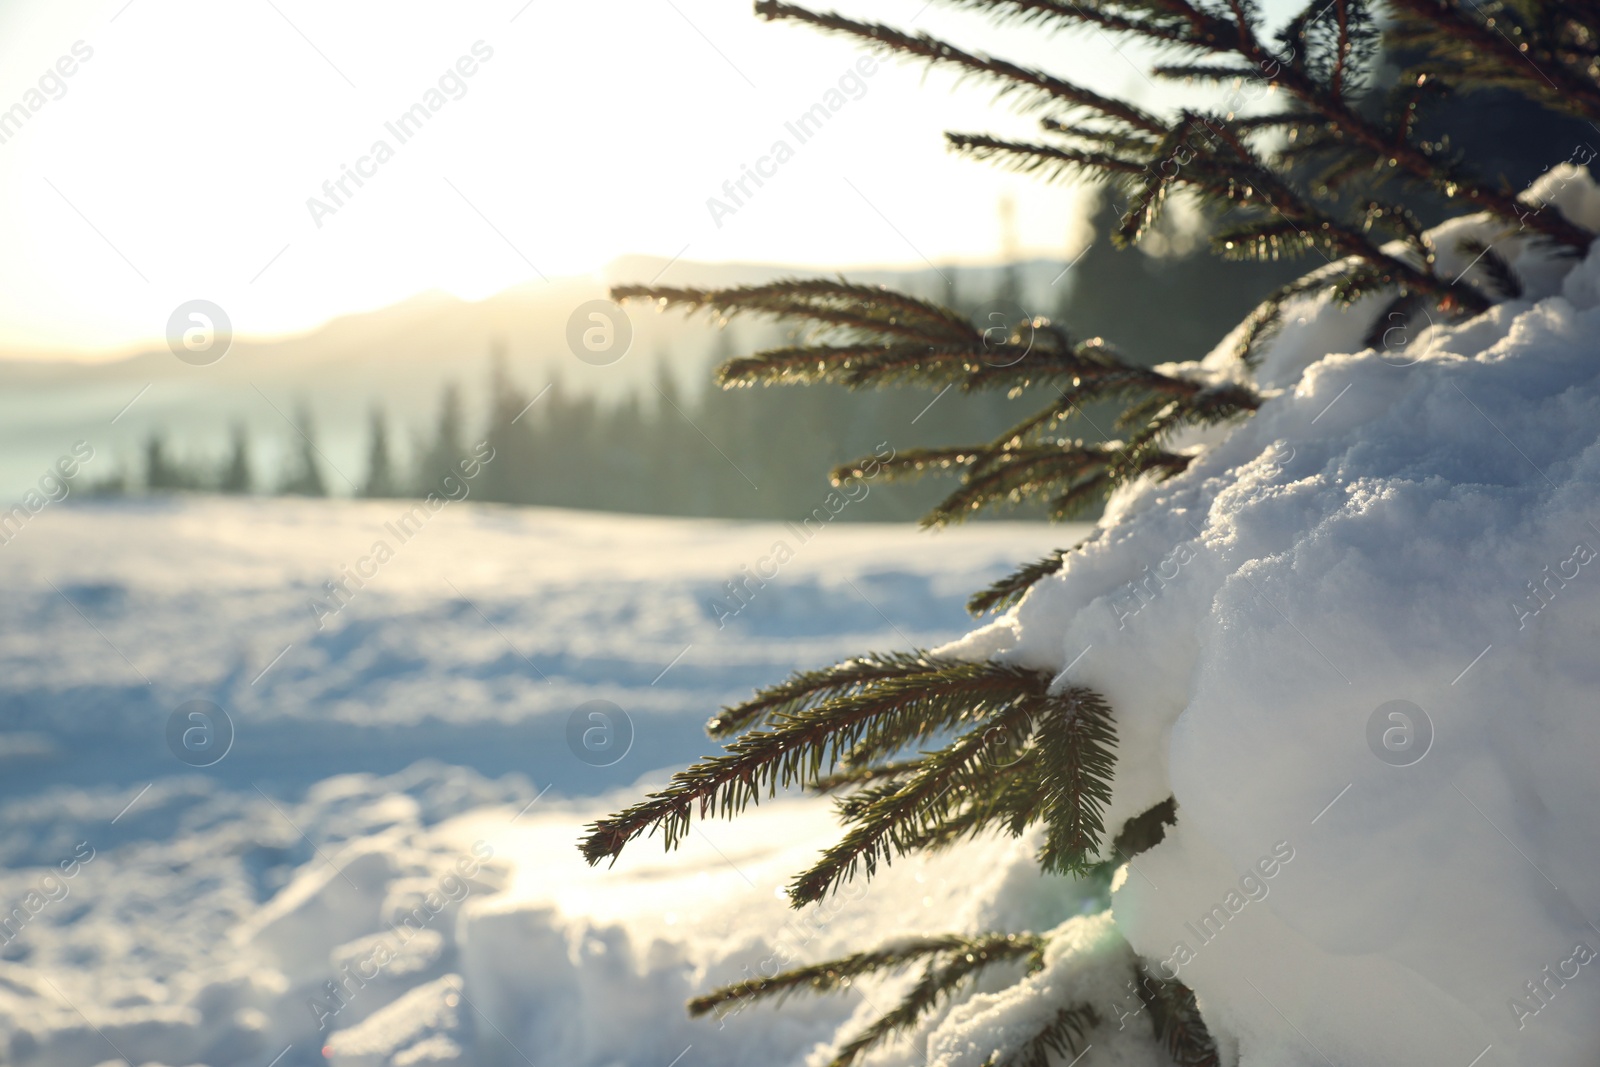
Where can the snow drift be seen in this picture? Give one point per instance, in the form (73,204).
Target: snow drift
(1356,641)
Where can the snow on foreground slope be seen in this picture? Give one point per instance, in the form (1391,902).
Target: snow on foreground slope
(161,914)
(1352,880)
(441,918)
(471,645)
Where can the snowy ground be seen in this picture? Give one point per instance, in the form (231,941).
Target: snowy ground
(410,755)
(1353,640)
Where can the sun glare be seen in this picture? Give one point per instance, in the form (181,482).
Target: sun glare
(293,162)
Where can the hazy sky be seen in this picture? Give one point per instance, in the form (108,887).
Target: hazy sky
(176,161)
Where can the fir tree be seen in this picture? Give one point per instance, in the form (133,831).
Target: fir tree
(1327,164)
(439,459)
(303,474)
(511,434)
(570,429)
(164,473)
(625,462)
(381,481)
(159,473)
(237,477)
(667,488)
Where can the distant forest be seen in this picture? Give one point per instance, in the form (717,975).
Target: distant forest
(751,454)
(759,453)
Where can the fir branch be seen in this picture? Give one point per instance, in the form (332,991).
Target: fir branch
(857,777)
(1057,1040)
(1494,265)
(805,689)
(1046,161)
(1020,465)
(1145,831)
(1138,835)
(1005,592)
(1391,146)
(1322,56)
(1404,224)
(1007,800)
(1162,171)
(1206,408)
(1472,44)
(1263,322)
(1062,778)
(937,984)
(1294,123)
(910,463)
(1013,477)
(1367,142)
(1140,413)
(1083,494)
(834,975)
(1353,44)
(1401,307)
(898,339)
(1013,78)
(978,364)
(1263,241)
(902,811)
(1139,391)
(852,806)
(1055,13)
(1122,138)
(1176,1022)
(1203,72)
(1274,194)
(1076,739)
(799,748)
(874,309)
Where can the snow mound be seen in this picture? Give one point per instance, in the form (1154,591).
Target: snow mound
(418,1029)
(580,965)
(1089,963)
(1355,640)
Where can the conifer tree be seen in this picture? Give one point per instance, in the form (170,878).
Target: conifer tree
(668,487)
(381,482)
(438,458)
(159,472)
(1324,163)
(237,476)
(303,474)
(511,434)
(165,473)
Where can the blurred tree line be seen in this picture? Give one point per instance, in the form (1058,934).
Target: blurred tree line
(748,453)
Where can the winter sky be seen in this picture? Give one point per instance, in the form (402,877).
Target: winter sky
(176,161)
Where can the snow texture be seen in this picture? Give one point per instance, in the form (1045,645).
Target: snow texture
(266,910)
(1351,880)
(471,645)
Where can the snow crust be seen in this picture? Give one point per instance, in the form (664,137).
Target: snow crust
(1414,523)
